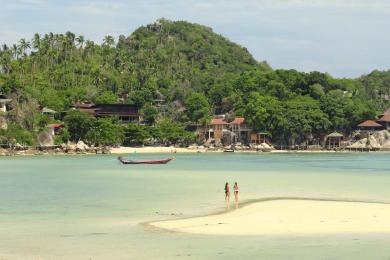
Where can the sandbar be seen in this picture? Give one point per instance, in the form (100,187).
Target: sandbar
(289,217)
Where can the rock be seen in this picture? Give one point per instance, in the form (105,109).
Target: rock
(193,147)
(106,150)
(70,147)
(380,139)
(81,146)
(266,146)
(18,146)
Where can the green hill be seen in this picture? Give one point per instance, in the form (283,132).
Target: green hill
(196,71)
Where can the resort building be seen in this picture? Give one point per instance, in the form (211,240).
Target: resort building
(222,132)
(383,123)
(124,112)
(370,126)
(384,120)
(241,130)
(216,129)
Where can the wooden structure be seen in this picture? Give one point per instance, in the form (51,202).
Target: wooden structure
(334,140)
(259,138)
(161,161)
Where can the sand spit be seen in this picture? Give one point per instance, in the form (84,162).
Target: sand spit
(289,217)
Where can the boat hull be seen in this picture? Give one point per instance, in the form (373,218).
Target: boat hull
(162,161)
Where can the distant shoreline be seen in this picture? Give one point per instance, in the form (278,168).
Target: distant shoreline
(162,150)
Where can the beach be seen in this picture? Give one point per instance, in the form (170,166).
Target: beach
(189,150)
(288,217)
(155,149)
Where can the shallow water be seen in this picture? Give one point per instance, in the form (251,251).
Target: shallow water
(91,207)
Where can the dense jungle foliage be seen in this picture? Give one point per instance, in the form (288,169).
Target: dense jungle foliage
(196,72)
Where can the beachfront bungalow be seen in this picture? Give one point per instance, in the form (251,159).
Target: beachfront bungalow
(370,126)
(124,112)
(384,120)
(334,140)
(55,128)
(216,128)
(3,103)
(241,130)
(259,138)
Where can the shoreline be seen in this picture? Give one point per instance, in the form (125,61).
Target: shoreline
(161,150)
(281,216)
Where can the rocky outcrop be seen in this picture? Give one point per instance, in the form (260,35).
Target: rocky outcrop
(379,140)
(81,147)
(263,147)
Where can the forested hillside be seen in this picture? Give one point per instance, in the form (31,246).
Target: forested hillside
(377,84)
(198,72)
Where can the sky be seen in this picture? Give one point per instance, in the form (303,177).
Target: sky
(346,38)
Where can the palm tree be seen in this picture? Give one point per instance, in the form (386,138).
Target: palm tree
(80,41)
(15,51)
(108,41)
(36,41)
(24,45)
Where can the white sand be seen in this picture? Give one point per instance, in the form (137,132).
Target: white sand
(289,217)
(150,149)
(160,149)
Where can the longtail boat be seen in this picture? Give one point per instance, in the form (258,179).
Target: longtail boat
(161,161)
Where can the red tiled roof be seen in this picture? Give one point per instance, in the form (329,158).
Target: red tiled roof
(385,118)
(55,125)
(370,123)
(387,112)
(238,121)
(218,121)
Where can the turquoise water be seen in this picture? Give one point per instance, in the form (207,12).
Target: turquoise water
(91,207)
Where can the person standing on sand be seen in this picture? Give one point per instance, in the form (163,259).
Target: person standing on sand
(235,188)
(227,195)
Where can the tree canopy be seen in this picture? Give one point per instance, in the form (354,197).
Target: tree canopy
(198,72)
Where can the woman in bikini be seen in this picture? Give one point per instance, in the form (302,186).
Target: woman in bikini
(235,188)
(227,195)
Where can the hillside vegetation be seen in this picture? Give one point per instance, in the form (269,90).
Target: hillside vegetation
(198,72)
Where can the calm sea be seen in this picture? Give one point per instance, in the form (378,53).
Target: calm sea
(91,207)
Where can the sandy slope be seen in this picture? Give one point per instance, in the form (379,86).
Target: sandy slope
(289,217)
